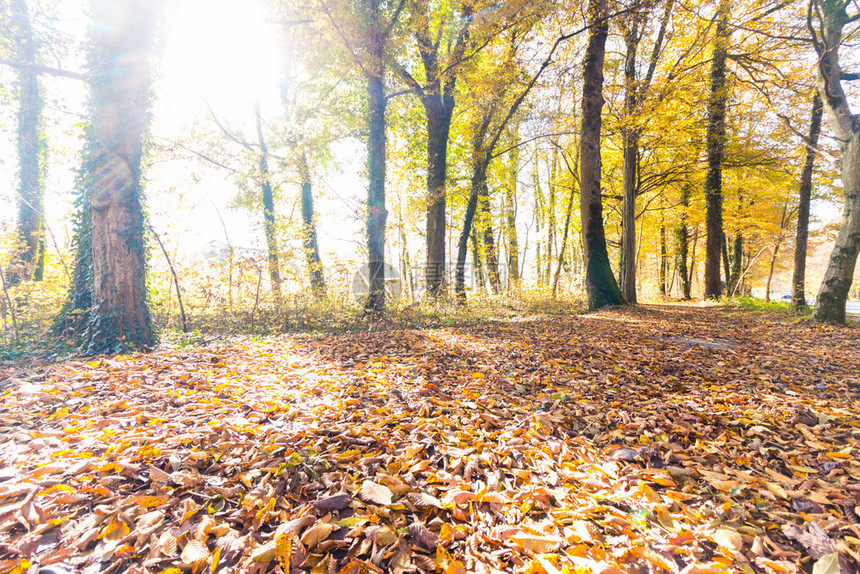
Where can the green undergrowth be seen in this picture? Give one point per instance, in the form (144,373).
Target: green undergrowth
(771,307)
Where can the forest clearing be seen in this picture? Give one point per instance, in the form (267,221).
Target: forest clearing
(653,439)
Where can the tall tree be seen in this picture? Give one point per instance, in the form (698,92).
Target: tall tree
(716,144)
(827,20)
(376,212)
(436,95)
(28,260)
(268,199)
(633,29)
(798,280)
(600,283)
(309,231)
(121,34)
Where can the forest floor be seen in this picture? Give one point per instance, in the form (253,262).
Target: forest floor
(651,439)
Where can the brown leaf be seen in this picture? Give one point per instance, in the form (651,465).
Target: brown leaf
(375,493)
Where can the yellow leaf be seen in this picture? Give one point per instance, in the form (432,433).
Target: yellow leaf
(115,530)
(284,551)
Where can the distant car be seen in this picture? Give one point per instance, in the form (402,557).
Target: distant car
(786,297)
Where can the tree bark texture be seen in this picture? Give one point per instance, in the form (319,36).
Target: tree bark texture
(268,199)
(480,164)
(376,212)
(309,232)
(120,41)
(630,155)
(513,247)
(716,143)
(439,111)
(801,244)
(833,293)
(28,258)
(600,283)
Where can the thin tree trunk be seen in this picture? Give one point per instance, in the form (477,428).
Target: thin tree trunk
(309,232)
(477,266)
(601,286)
(664,260)
(510,214)
(683,237)
(567,216)
(716,142)
(27,261)
(269,224)
(490,255)
(798,280)
(175,278)
(771,268)
(630,154)
(551,222)
(376,212)
(119,100)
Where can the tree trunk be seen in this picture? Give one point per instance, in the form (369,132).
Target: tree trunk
(438,128)
(683,237)
(376,212)
(486,216)
(551,221)
(716,142)
(269,224)
(480,164)
(629,154)
(477,267)
(511,219)
(798,280)
(567,216)
(737,267)
(771,268)
(664,260)
(27,261)
(309,232)
(833,293)
(600,282)
(119,104)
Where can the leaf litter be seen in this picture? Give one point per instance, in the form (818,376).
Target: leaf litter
(601,443)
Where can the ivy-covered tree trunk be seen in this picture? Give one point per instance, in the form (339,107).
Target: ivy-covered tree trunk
(600,283)
(309,232)
(376,212)
(268,198)
(827,38)
(716,143)
(28,259)
(120,42)
(798,280)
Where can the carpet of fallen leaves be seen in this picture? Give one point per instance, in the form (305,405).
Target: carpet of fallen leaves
(661,439)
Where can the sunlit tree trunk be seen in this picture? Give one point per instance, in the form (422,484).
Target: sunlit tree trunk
(29,255)
(120,43)
(682,234)
(376,212)
(630,156)
(513,246)
(798,280)
(716,142)
(309,231)
(833,293)
(600,282)
(268,199)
